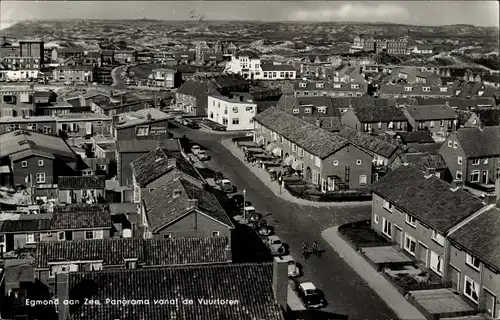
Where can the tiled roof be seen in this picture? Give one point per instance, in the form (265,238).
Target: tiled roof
(163,207)
(417,89)
(140,117)
(19,140)
(277,67)
(424,161)
(81,182)
(480,237)
(247,53)
(81,216)
(457,102)
(344,102)
(24,225)
(378,114)
(329,86)
(331,124)
(314,140)
(429,200)
(429,112)
(249,284)
(158,162)
(493,78)
(477,142)
(415,137)
(430,148)
(151,252)
(194,88)
(369,142)
(94,55)
(489,117)
(290,104)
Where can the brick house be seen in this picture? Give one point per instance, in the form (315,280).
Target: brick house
(324,158)
(472,154)
(415,90)
(438,119)
(145,124)
(81,189)
(474,269)
(375,119)
(330,89)
(84,124)
(192,212)
(417,211)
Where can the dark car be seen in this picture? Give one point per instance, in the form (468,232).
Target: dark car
(237,201)
(312,297)
(193,125)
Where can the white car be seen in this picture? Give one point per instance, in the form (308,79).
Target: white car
(202,155)
(195,149)
(311,296)
(275,245)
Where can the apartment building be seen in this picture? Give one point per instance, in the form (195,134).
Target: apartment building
(235,112)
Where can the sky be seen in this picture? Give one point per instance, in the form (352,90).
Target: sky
(481,13)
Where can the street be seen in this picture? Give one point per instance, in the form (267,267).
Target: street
(345,290)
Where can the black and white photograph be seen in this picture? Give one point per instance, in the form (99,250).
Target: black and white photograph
(249,160)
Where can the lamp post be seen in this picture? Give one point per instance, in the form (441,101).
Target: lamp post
(244,201)
(280,181)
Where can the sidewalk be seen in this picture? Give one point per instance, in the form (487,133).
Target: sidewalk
(402,307)
(274,186)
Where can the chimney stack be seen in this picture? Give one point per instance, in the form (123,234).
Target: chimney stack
(172,162)
(241,98)
(318,122)
(62,294)
(429,172)
(149,117)
(192,203)
(280,281)
(229,254)
(456,184)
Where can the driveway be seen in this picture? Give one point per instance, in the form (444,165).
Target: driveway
(346,292)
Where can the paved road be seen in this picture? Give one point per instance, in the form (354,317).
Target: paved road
(345,291)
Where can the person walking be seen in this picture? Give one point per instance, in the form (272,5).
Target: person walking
(305,249)
(315,248)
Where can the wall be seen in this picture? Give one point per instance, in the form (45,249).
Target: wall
(73,75)
(33,168)
(217,111)
(124,167)
(349,119)
(490,167)
(77,235)
(348,156)
(450,156)
(47,127)
(65,196)
(157,131)
(97,127)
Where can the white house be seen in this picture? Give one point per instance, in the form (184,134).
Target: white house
(246,63)
(162,78)
(421,49)
(16,75)
(236,112)
(278,72)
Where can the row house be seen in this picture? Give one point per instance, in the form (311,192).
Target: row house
(125,56)
(32,159)
(88,189)
(417,211)
(41,124)
(438,119)
(22,63)
(21,75)
(278,72)
(126,152)
(375,119)
(455,102)
(84,124)
(66,223)
(17,102)
(143,124)
(429,78)
(82,73)
(415,91)
(185,57)
(474,89)
(329,89)
(492,80)
(466,74)
(326,159)
(235,112)
(59,55)
(472,154)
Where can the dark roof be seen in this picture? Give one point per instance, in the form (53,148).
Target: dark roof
(278,67)
(369,142)
(328,86)
(163,207)
(417,89)
(247,53)
(424,161)
(81,216)
(94,55)
(194,88)
(459,103)
(366,114)
(493,78)
(81,182)
(69,50)
(157,163)
(431,148)
(415,137)
(345,102)
(430,200)
(186,55)
(24,225)
(157,252)
(489,117)
(477,142)
(429,112)
(331,124)
(249,284)
(480,237)
(312,139)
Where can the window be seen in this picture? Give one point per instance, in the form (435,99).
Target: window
(40,177)
(30,238)
(236,121)
(294,147)
(102,167)
(375,218)
(387,206)
(87,172)
(450,143)
(441,123)
(335,163)
(475,162)
(408,88)
(307,110)
(40,163)
(130,263)
(337,85)
(431,124)
(458,175)
(362,180)
(24,164)
(459,160)
(354,86)
(436,263)
(426,89)
(322,110)
(295,111)
(411,220)
(215,233)
(249,109)
(300,152)
(167,236)
(474,176)
(455,145)
(436,236)
(142,131)
(235,109)
(302,85)
(387,227)
(320,85)
(443,89)
(410,244)
(390,125)
(472,261)
(471,289)
(358,162)
(61,236)
(379,125)
(485,161)
(317,161)
(89,235)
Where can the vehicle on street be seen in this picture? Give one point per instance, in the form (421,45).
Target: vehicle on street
(193,125)
(275,245)
(195,149)
(263,229)
(202,155)
(312,297)
(293,269)
(218,177)
(237,201)
(226,186)
(249,212)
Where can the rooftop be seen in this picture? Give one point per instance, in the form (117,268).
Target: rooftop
(81,216)
(371,114)
(430,112)
(368,142)
(81,182)
(14,142)
(130,119)
(479,142)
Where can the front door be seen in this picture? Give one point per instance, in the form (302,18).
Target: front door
(424,253)
(490,302)
(398,235)
(455,279)
(484,177)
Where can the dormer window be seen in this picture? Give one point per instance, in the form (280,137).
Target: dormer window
(295,111)
(426,89)
(307,110)
(443,89)
(354,86)
(457,92)
(302,85)
(408,88)
(320,85)
(131,263)
(337,85)
(322,110)
(176,193)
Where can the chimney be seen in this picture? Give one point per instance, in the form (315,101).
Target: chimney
(176,193)
(149,117)
(456,184)
(318,122)
(192,203)
(280,281)
(62,294)
(241,98)
(229,253)
(172,162)
(177,175)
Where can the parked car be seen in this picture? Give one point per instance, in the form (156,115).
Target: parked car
(275,245)
(312,297)
(202,155)
(263,229)
(195,149)
(237,201)
(293,269)
(226,186)
(193,125)
(218,177)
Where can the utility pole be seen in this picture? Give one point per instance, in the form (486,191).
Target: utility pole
(244,206)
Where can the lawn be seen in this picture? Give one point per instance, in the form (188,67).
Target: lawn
(361,235)
(141,72)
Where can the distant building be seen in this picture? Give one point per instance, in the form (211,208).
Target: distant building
(368,43)
(166,78)
(31,49)
(236,112)
(125,56)
(74,73)
(278,72)
(246,63)
(7,49)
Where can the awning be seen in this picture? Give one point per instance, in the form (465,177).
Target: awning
(270,147)
(277,152)
(297,165)
(288,161)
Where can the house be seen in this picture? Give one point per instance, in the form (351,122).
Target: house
(22,63)
(17,102)
(84,124)
(417,211)
(180,208)
(421,49)
(428,78)
(408,138)
(82,73)
(23,231)
(492,80)
(371,119)
(42,124)
(128,151)
(362,43)
(474,89)
(471,154)
(457,102)
(423,161)
(53,258)
(438,119)
(166,78)
(235,112)
(93,58)
(60,54)
(468,119)
(7,49)
(100,166)
(474,269)
(330,89)
(192,96)
(185,57)
(324,158)
(277,72)
(260,290)
(108,57)
(81,189)
(414,90)
(246,63)
(32,159)
(144,124)
(125,56)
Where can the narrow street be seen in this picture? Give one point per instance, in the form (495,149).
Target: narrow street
(346,292)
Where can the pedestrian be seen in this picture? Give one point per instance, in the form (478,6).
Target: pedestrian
(315,248)
(305,249)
